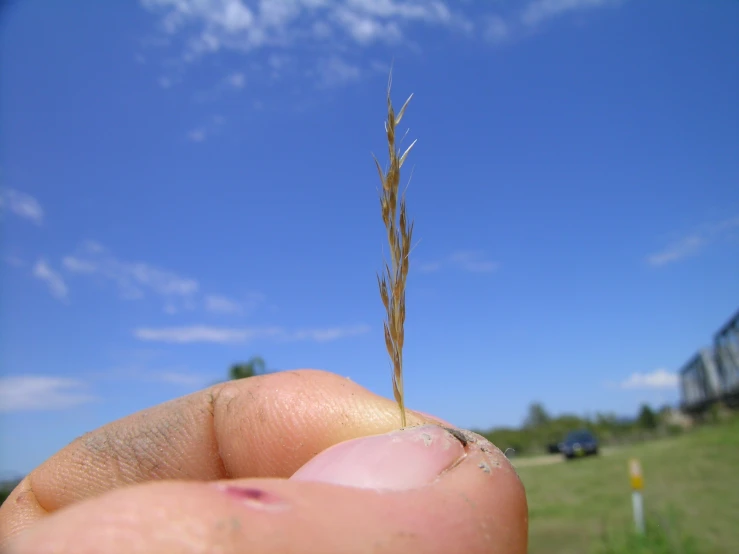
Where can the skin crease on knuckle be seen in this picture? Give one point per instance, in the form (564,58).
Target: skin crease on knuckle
(204,437)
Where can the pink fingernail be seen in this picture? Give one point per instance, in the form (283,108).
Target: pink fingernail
(400,460)
(253,497)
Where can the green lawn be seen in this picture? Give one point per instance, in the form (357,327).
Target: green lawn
(695,475)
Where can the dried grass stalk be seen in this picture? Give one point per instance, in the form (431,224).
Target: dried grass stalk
(399,233)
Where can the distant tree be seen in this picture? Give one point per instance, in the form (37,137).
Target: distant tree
(646,419)
(6,487)
(4,494)
(244,370)
(606,419)
(537,416)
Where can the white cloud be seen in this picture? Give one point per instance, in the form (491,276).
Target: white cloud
(196,135)
(21,204)
(366,28)
(36,393)
(496,29)
(211,26)
(137,372)
(327,27)
(225,335)
(177,378)
(694,243)
(334,71)
(77,265)
(203,333)
(53,280)
(233,81)
(231,24)
(540,10)
(657,379)
(688,246)
(136,280)
(328,334)
(236,80)
(471,261)
(218,304)
(131,278)
(208,129)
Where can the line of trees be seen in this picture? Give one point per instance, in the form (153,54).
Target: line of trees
(541,431)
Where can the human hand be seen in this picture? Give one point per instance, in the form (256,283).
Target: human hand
(261,465)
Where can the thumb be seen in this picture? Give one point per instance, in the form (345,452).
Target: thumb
(423,489)
(457,491)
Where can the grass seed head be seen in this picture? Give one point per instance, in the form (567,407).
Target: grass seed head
(400,235)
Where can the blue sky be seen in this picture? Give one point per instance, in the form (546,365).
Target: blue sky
(190,183)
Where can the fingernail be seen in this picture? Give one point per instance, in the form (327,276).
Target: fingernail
(400,460)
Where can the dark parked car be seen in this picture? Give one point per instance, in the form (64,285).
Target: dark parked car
(579,443)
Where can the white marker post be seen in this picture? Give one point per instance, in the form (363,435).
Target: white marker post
(637,484)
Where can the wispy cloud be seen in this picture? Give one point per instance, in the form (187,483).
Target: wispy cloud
(693,243)
(168,81)
(217,304)
(539,11)
(232,24)
(36,393)
(223,305)
(204,333)
(196,135)
(334,71)
(136,280)
(657,379)
(236,80)
(472,261)
(133,279)
(170,376)
(232,82)
(22,205)
(225,335)
(53,280)
(327,27)
(327,334)
(207,129)
(322,27)
(496,29)
(178,378)
(683,248)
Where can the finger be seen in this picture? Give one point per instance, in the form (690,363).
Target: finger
(451,499)
(264,426)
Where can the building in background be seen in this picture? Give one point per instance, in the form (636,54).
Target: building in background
(712,374)
(726,347)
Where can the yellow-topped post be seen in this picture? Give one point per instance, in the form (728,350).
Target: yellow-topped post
(637,485)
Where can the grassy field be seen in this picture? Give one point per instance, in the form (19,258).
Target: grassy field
(691,489)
